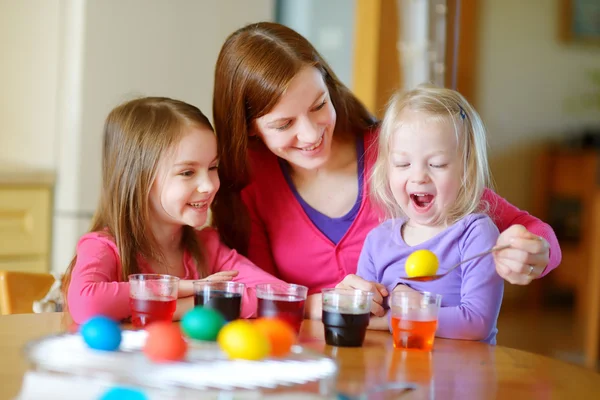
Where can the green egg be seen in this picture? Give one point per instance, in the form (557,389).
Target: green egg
(202,323)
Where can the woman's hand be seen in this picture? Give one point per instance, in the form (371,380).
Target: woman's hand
(379,291)
(525,259)
(186,287)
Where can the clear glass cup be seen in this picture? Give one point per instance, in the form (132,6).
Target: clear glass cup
(283,301)
(225,297)
(152,297)
(414,319)
(346,314)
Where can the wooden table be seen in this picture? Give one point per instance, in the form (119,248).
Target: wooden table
(455,369)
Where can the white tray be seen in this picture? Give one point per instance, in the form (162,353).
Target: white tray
(205,367)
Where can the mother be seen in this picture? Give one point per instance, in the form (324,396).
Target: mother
(296,148)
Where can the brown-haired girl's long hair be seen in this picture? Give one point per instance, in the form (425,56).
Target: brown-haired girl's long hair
(254,68)
(136,135)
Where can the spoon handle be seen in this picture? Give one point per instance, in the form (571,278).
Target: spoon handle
(497,248)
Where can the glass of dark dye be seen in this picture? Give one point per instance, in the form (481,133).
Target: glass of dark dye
(283,301)
(346,314)
(225,297)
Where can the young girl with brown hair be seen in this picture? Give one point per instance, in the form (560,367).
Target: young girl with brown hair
(159,178)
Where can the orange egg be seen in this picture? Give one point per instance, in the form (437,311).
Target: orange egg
(280,334)
(165,342)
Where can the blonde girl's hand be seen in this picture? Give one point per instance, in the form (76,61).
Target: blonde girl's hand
(525,259)
(379,291)
(404,288)
(186,287)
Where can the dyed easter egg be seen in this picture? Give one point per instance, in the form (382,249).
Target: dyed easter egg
(421,263)
(123,393)
(280,334)
(164,343)
(101,333)
(241,339)
(202,323)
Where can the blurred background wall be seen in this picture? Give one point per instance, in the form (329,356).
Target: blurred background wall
(67,63)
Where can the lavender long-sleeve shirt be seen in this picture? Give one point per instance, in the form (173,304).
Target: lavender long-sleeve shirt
(471,294)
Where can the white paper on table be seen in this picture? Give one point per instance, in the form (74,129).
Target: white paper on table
(49,386)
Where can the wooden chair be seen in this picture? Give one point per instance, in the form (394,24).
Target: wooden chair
(18,290)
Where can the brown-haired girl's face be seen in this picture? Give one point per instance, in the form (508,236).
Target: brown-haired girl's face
(186,180)
(299,129)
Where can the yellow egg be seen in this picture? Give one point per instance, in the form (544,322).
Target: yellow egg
(240,339)
(421,263)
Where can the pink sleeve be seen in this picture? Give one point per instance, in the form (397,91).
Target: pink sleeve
(259,248)
(505,215)
(222,258)
(94,288)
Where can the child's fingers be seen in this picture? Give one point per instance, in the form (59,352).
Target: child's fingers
(225,274)
(381,289)
(377,309)
(222,276)
(356,282)
(231,272)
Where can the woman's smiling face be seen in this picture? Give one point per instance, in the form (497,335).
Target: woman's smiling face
(299,129)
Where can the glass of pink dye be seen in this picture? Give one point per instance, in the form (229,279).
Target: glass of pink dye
(152,297)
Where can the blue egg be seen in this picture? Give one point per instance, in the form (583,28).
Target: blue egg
(101,333)
(123,393)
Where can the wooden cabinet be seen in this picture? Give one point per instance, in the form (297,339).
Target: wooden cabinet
(25,220)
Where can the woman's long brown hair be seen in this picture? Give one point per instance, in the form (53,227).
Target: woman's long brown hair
(254,68)
(136,135)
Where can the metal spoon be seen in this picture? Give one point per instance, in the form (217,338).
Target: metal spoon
(428,278)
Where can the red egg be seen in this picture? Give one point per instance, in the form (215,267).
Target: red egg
(165,342)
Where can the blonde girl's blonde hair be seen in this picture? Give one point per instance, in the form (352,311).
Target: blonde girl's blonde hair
(136,135)
(447,105)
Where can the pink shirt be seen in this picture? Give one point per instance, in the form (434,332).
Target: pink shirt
(285,242)
(96,286)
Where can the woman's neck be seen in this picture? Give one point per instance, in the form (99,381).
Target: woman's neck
(343,154)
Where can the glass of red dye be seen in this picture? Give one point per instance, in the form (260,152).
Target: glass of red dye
(283,301)
(152,297)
